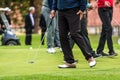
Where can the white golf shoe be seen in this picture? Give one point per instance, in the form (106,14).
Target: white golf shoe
(67,65)
(92,62)
(51,50)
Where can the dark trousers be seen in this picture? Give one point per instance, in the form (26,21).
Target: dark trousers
(106,34)
(1,32)
(69,21)
(84,33)
(28,37)
(42,37)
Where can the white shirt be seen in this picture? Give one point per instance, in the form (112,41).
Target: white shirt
(32,19)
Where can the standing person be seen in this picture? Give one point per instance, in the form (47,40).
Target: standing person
(105,10)
(84,32)
(42,24)
(7,15)
(70,12)
(29,25)
(52,31)
(50,38)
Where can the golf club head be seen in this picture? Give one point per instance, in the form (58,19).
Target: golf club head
(31,61)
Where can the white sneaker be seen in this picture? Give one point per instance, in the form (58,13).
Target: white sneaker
(61,50)
(63,66)
(49,50)
(92,62)
(67,65)
(53,50)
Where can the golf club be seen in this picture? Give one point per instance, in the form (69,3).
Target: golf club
(36,54)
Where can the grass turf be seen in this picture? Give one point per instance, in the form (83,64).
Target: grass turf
(14,63)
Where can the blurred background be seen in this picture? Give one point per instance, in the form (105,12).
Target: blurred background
(19,9)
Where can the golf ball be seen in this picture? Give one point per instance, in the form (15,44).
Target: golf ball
(119,41)
(31,48)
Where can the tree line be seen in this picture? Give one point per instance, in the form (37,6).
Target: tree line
(22,6)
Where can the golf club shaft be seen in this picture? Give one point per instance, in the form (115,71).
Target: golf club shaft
(36,54)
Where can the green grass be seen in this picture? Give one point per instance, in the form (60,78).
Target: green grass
(14,63)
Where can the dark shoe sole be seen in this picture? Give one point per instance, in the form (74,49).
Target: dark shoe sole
(105,55)
(113,55)
(102,54)
(98,56)
(76,61)
(66,67)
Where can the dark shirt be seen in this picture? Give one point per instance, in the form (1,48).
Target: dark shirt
(68,4)
(50,2)
(28,23)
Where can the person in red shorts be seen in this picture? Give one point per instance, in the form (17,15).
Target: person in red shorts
(105,11)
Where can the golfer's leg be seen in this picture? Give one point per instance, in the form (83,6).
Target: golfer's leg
(63,32)
(103,33)
(46,13)
(57,38)
(42,37)
(74,25)
(109,40)
(102,40)
(31,39)
(49,37)
(52,33)
(84,32)
(27,40)
(54,28)
(109,30)
(72,43)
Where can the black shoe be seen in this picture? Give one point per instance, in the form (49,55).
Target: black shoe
(76,60)
(113,54)
(95,55)
(102,54)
